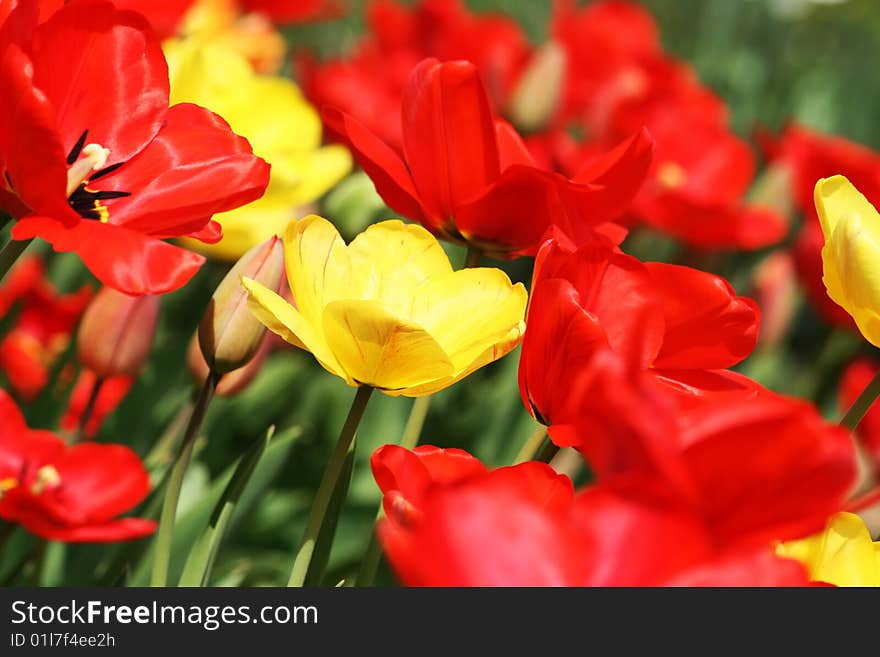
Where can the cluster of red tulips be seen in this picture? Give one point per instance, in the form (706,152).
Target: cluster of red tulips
(700,475)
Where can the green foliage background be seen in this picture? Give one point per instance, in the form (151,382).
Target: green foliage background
(819,68)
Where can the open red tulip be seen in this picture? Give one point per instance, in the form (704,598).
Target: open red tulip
(93,160)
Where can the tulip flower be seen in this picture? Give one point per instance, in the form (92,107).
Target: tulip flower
(686,325)
(279,123)
(521,526)
(775,288)
(851,227)
(42,328)
(843,554)
(72,494)
(388,311)
(110,175)
(369,83)
(229,335)
(108,397)
(116,333)
(469,178)
(233,382)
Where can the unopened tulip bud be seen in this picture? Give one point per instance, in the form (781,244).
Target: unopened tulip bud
(776,291)
(116,333)
(536,96)
(229,334)
(235,381)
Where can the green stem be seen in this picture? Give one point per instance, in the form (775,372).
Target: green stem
(162,550)
(860,406)
(411,434)
(532,445)
(472,257)
(9,254)
(89,409)
(326,487)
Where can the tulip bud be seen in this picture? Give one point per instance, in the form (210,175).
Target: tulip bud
(229,334)
(235,381)
(772,189)
(116,333)
(776,291)
(536,96)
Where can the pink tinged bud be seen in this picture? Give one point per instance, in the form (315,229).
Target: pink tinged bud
(116,333)
(233,382)
(776,291)
(230,334)
(537,94)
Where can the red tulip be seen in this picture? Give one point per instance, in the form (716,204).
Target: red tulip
(695,189)
(499,529)
(41,332)
(369,84)
(111,394)
(856,377)
(94,161)
(71,494)
(683,324)
(469,178)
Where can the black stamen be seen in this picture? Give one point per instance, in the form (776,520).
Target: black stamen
(77,148)
(105,171)
(8,179)
(103,196)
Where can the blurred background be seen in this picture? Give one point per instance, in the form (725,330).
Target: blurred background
(770,60)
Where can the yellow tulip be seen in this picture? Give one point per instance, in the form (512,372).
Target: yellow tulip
(388,310)
(851,255)
(283,128)
(843,554)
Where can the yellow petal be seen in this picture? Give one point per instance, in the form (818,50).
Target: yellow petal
(471,313)
(284,320)
(319,171)
(318,269)
(376,348)
(837,200)
(842,554)
(392,259)
(853,274)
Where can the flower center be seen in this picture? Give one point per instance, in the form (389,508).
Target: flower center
(47,479)
(7,484)
(671,175)
(87,163)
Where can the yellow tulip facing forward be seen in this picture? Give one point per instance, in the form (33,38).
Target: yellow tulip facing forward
(843,554)
(388,311)
(851,255)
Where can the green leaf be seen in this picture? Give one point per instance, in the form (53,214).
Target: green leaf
(200,563)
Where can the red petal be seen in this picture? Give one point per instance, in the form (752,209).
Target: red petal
(448,135)
(31,155)
(758,567)
(103,71)
(561,338)
(124,529)
(386,170)
(707,325)
(195,167)
(98,482)
(768,468)
(124,259)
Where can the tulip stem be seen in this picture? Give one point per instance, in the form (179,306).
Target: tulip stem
(472,258)
(89,409)
(162,550)
(328,484)
(411,434)
(860,406)
(532,445)
(10,253)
